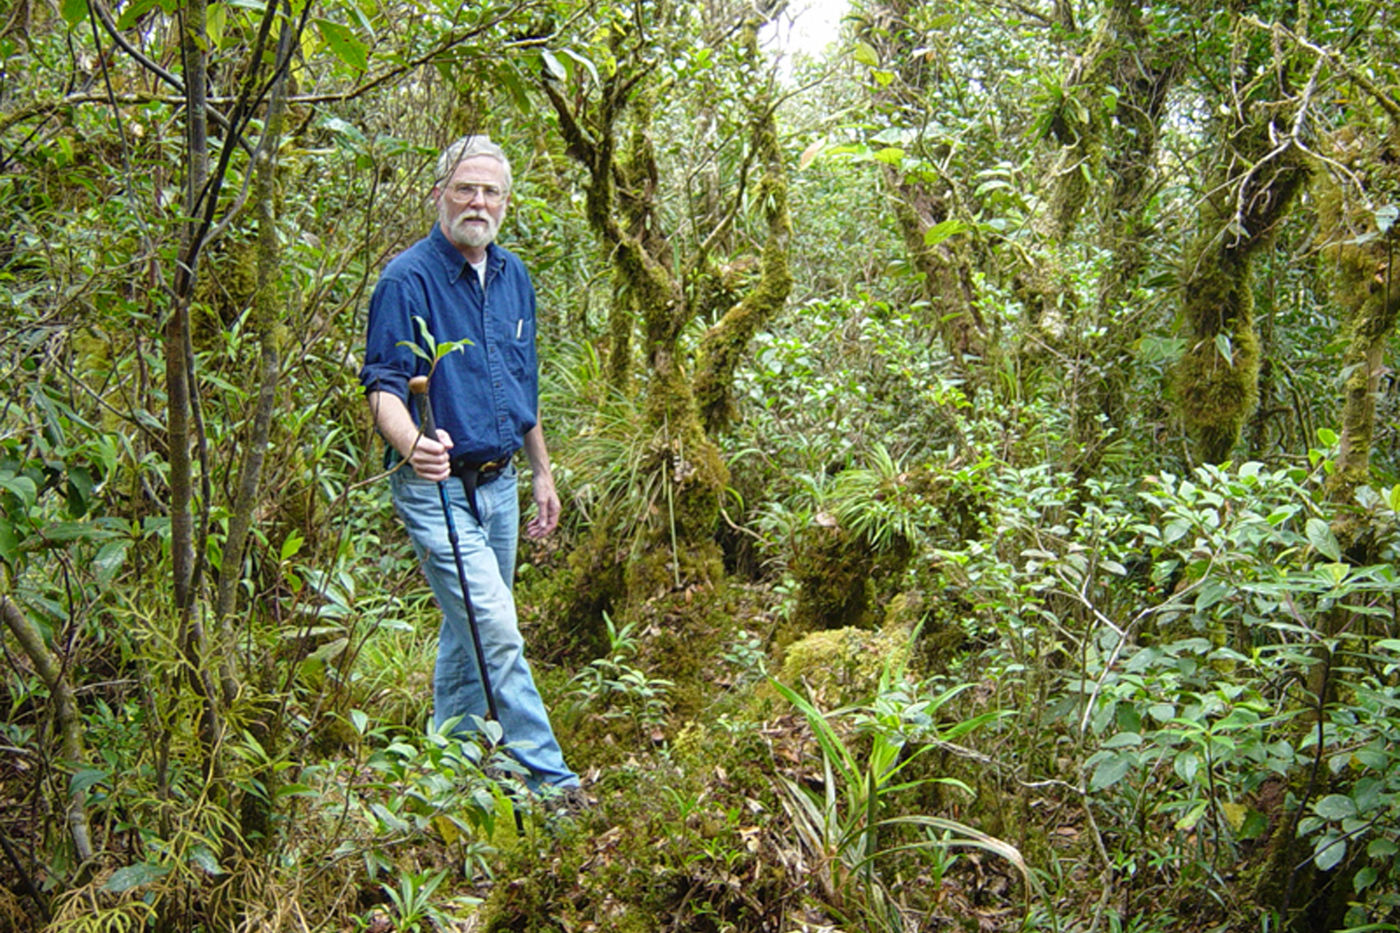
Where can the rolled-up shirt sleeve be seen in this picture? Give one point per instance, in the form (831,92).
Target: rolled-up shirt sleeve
(388,363)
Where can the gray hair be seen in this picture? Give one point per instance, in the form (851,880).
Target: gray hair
(466,148)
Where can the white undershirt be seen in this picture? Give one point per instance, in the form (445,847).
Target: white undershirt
(480,268)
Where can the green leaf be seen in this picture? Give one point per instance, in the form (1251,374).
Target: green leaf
(1335,807)
(1320,537)
(1186,765)
(890,155)
(86,779)
(1329,852)
(1225,348)
(1382,848)
(22,486)
(586,62)
(110,558)
(203,858)
(9,540)
(133,876)
(943,230)
(865,54)
(1192,817)
(74,11)
(553,68)
(133,12)
(1385,217)
(292,544)
(1111,770)
(343,43)
(1124,740)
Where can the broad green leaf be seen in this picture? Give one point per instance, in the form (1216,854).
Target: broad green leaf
(110,558)
(1225,348)
(1329,852)
(74,11)
(9,540)
(943,230)
(343,43)
(86,779)
(1382,848)
(586,62)
(1212,592)
(1124,740)
(1110,771)
(891,155)
(133,876)
(1335,807)
(203,858)
(1186,765)
(1193,816)
(133,12)
(1385,217)
(1320,537)
(292,544)
(552,66)
(865,54)
(22,486)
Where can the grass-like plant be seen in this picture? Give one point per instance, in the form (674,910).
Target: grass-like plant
(840,825)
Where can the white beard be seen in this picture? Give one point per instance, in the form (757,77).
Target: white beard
(470,235)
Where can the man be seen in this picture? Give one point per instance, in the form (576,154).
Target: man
(485,399)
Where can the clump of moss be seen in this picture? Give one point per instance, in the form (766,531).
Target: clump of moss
(843,666)
(833,569)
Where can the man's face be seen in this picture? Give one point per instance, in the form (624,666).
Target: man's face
(472,203)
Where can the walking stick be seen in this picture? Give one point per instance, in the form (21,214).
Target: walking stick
(418,386)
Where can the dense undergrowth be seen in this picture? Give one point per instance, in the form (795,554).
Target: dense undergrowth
(943,685)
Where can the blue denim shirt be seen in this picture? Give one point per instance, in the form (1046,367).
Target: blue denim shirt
(486,394)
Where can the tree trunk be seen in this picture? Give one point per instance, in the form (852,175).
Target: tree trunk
(67,723)
(1366,288)
(725,344)
(1248,195)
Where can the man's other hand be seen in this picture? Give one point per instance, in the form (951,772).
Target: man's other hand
(547,508)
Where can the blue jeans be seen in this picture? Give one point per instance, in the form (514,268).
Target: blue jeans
(488,556)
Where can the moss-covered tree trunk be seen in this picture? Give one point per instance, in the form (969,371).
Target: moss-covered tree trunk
(725,345)
(621,190)
(1367,291)
(921,204)
(1258,171)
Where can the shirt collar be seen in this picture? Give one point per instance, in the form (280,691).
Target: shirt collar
(452,259)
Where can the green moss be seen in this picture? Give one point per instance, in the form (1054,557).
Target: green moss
(843,666)
(1217,381)
(833,568)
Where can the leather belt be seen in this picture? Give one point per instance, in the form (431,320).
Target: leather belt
(477,473)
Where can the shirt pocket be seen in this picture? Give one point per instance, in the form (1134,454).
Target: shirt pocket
(519,344)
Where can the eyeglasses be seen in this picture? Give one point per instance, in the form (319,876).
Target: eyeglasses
(464,193)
